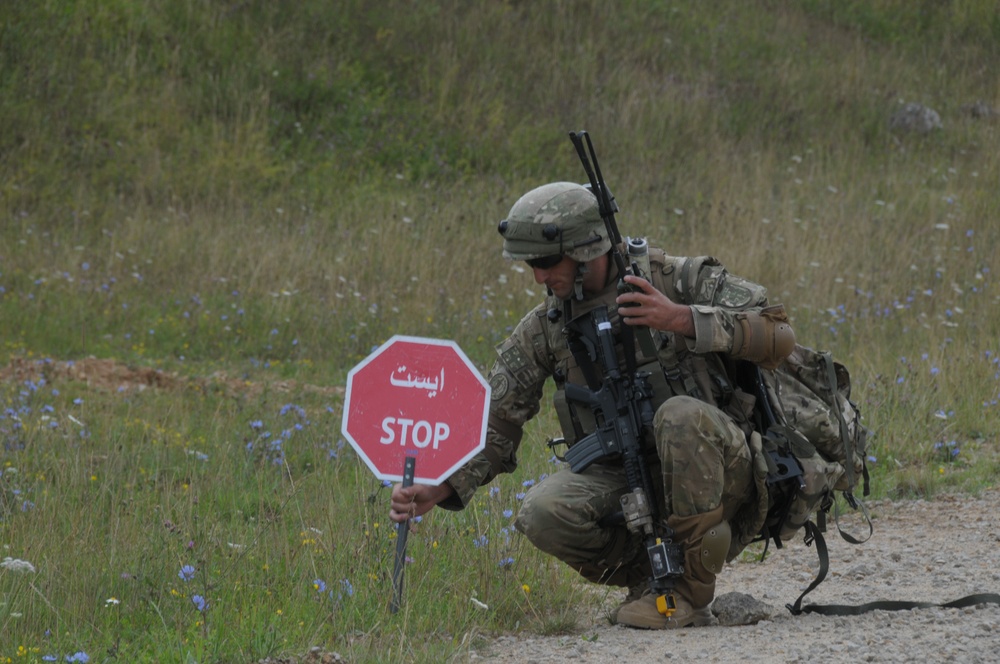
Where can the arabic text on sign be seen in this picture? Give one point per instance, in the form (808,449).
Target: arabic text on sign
(403,378)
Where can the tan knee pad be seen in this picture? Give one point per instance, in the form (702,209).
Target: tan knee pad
(715,547)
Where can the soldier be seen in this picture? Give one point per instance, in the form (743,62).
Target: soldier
(710,481)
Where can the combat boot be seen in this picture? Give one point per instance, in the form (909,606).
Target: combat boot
(642,613)
(634,594)
(704,539)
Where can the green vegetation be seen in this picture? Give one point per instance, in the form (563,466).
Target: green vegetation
(250,196)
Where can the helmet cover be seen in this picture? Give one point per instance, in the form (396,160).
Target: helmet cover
(558,218)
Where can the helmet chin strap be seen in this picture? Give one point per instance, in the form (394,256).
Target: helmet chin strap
(581,270)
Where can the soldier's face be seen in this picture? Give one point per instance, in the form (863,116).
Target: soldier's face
(561,277)
(558,278)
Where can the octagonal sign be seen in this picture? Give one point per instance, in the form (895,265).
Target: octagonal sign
(416,397)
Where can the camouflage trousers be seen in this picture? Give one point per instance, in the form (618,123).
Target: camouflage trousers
(703,462)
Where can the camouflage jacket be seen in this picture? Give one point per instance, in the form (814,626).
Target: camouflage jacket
(537,350)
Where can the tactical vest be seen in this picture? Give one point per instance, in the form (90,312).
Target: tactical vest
(673,370)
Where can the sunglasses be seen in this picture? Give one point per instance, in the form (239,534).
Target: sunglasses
(545,262)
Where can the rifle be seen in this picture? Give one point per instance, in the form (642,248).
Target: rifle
(621,401)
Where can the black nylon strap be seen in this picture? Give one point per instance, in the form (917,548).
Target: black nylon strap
(813,534)
(898,605)
(864,511)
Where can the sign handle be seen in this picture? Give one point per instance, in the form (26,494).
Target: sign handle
(402,529)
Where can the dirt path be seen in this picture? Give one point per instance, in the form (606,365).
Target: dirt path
(934,551)
(109,375)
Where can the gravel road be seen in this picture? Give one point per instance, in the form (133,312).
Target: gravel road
(930,551)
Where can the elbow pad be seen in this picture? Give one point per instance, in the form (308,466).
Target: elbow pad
(764,338)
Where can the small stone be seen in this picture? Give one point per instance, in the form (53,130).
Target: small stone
(741,609)
(915,118)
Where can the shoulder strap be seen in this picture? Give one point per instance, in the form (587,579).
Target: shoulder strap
(845,432)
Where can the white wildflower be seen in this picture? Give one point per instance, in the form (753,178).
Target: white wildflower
(16,565)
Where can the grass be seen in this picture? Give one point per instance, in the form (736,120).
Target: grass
(249,198)
(282,531)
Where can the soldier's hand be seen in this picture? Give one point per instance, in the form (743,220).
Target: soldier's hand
(648,306)
(415,500)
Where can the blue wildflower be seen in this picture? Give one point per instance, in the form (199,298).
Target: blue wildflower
(78,656)
(319,585)
(199,602)
(186,573)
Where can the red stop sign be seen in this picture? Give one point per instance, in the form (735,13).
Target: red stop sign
(416,397)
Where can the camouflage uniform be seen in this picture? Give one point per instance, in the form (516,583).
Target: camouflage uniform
(700,443)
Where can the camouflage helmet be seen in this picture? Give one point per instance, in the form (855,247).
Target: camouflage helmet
(558,218)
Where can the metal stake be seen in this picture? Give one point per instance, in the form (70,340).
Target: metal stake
(402,530)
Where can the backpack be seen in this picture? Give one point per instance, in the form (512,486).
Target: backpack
(814,444)
(814,425)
